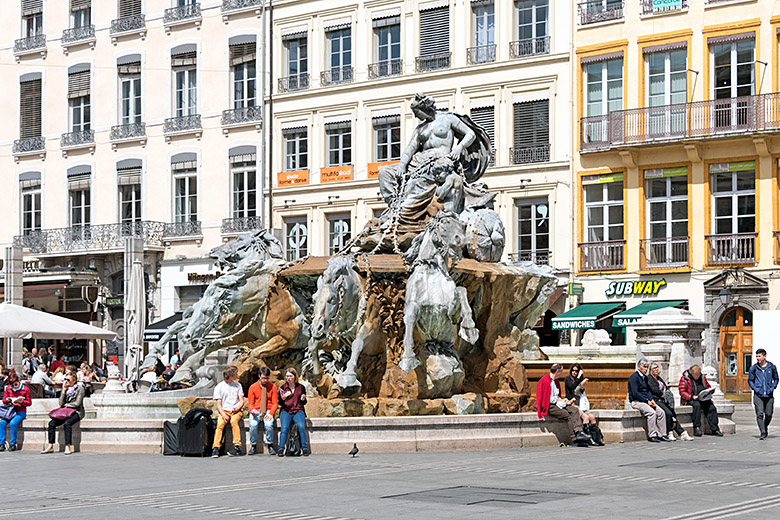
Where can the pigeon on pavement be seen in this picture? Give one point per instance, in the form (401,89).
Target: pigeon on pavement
(354,451)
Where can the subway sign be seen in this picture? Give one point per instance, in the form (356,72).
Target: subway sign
(635,288)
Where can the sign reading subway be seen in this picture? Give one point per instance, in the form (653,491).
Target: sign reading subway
(635,287)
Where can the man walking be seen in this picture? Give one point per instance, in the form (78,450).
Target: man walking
(549,402)
(641,399)
(692,386)
(762,379)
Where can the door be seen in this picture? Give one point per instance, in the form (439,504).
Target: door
(736,349)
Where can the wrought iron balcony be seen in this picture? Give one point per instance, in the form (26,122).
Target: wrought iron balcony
(92,238)
(648,7)
(182,124)
(182,14)
(386,68)
(530,154)
(78,139)
(189,228)
(433,62)
(78,34)
(337,76)
(29,45)
(481,54)
(602,256)
(243,115)
(294,82)
(671,123)
(237,225)
(731,249)
(664,253)
(595,11)
(238,5)
(128,132)
(29,145)
(537,257)
(126,24)
(529,47)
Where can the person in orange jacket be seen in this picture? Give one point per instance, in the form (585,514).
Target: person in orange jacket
(262,410)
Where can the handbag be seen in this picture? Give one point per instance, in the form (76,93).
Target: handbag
(669,399)
(7,412)
(62,413)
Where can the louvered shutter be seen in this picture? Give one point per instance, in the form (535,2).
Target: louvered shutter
(30,109)
(485,117)
(185,59)
(128,176)
(30,7)
(242,53)
(129,68)
(435,31)
(532,124)
(78,84)
(79,178)
(129,8)
(79,5)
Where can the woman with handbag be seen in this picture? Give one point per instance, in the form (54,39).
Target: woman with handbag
(16,399)
(663,398)
(575,389)
(292,398)
(70,412)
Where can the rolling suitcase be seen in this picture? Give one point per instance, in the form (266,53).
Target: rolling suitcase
(170,438)
(196,437)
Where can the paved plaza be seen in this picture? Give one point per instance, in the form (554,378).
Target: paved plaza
(737,476)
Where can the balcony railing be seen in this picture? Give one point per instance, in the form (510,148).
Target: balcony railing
(594,11)
(136,22)
(649,7)
(602,256)
(294,82)
(530,154)
(537,257)
(733,249)
(31,44)
(237,5)
(337,76)
(664,253)
(78,34)
(238,116)
(77,139)
(529,47)
(190,228)
(28,145)
(101,237)
(182,13)
(131,131)
(182,124)
(433,62)
(697,120)
(385,68)
(481,54)
(240,225)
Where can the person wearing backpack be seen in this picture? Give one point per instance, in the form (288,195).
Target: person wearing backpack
(292,398)
(762,379)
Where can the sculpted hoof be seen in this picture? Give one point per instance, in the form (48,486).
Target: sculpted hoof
(409,364)
(345,380)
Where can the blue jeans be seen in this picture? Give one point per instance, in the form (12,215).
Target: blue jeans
(268,427)
(300,422)
(14,424)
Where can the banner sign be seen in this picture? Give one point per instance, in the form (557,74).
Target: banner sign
(292,178)
(637,287)
(336,174)
(374,167)
(667,6)
(602,179)
(741,166)
(657,173)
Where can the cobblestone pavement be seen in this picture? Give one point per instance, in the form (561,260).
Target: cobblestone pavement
(737,476)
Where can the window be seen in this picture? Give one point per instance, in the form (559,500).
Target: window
(244,74)
(30,108)
(244,169)
(130,93)
(339,56)
(533,230)
(129,181)
(185,192)
(79,101)
(387,46)
(603,209)
(129,8)
(484,33)
(733,77)
(339,225)
(296,155)
(81,13)
(296,241)
(185,84)
(667,85)
(297,65)
(339,143)
(734,198)
(434,39)
(485,117)
(79,198)
(667,216)
(32,18)
(387,138)
(31,205)
(531,132)
(532,28)
(603,94)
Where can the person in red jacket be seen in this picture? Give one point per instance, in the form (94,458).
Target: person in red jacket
(262,408)
(18,396)
(692,384)
(549,402)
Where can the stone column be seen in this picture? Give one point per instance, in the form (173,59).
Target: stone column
(14,293)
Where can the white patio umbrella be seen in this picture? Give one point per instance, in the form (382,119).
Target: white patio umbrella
(25,323)
(135,305)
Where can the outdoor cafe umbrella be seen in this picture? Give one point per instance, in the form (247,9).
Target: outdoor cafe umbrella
(135,305)
(25,323)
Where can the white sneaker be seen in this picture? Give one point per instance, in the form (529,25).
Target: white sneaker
(684,436)
(670,437)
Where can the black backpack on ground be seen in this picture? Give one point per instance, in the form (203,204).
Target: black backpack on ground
(293,446)
(196,433)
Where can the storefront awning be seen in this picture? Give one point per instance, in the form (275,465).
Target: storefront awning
(634,314)
(155,331)
(586,315)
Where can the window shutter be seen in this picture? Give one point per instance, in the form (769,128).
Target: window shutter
(242,53)
(485,117)
(78,84)
(182,166)
(79,5)
(185,59)
(435,31)
(78,181)
(386,120)
(128,176)
(338,125)
(129,8)
(30,108)
(243,158)
(129,68)
(386,21)
(31,7)
(532,123)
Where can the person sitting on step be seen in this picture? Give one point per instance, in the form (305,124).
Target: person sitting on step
(575,390)
(263,402)
(641,399)
(550,403)
(230,404)
(692,386)
(663,398)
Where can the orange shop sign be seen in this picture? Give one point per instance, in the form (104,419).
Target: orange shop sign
(336,174)
(374,167)
(292,178)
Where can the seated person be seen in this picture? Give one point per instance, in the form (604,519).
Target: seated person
(693,383)
(40,377)
(72,396)
(230,404)
(292,399)
(263,402)
(168,373)
(641,399)
(549,402)
(575,390)
(58,363)
(59,375)
(18,396)
(658,388)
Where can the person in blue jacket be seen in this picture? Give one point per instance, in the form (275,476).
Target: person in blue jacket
(762,379)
